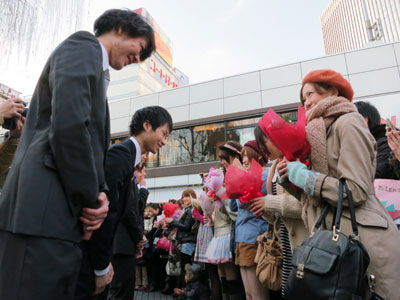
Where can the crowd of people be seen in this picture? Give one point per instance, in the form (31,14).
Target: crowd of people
(74,217)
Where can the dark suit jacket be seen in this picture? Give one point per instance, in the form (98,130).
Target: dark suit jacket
(58,167)
(123,219)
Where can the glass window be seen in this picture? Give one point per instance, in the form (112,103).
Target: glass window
(192,145)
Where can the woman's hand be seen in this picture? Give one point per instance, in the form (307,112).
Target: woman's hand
(282,170)
(168,220)
(257,206)
(394,142)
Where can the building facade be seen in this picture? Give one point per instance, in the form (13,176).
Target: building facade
(209,113)
(153,75)
(344,26)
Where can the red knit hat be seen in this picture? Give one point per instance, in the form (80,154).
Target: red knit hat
(331,78)
(290,139)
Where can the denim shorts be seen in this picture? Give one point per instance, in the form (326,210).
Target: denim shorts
(188,248)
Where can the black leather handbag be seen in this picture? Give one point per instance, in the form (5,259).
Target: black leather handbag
(329,264)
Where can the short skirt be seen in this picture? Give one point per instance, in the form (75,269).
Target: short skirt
(219,252)
(245,254)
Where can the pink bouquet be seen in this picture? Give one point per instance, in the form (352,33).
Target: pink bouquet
(207,206)
(214,182)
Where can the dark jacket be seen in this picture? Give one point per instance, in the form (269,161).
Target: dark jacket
(196,290)
(58,167)
(395,164)
(383,169)
(184,225)
(129,229)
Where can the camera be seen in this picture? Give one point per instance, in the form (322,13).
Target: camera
(11,123)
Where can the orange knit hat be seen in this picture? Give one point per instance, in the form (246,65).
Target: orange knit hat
(331,78)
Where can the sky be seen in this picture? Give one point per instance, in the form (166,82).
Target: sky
(211,38)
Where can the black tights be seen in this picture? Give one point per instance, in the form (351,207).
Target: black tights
(212,271)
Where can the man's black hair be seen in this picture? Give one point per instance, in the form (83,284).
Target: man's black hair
(156,115)
(367,110)
(130,23)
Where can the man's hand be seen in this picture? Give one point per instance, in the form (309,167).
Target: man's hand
(257,206)
(18,129)
(102,281)
(143,242)
(11,108)
(178,291)
(142,182)
(92,218)
(140,246)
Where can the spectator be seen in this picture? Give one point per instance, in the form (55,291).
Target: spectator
(342,147)
(378,130)
(249,227)
(195,289)
(394,144)
(185,237)
(220,249)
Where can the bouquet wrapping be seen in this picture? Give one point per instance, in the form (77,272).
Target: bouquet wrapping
(207,206)
(214,182)
(244,185)
(169,209)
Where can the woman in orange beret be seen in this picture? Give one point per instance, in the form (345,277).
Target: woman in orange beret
(342,147)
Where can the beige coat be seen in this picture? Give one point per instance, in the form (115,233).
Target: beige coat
(352,155)
(285,208)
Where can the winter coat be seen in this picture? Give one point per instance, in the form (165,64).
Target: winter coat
(383,169)
(184,225)
(351,155)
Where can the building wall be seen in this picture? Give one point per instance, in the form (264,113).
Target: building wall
(343,23)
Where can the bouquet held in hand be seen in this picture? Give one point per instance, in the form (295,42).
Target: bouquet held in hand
(244,185)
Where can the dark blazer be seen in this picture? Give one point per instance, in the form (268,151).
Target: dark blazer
(129,230)
(58,167)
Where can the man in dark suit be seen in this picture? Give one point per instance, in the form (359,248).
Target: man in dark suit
(57,176)
(149,129)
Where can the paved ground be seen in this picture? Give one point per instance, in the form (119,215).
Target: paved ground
(151,296)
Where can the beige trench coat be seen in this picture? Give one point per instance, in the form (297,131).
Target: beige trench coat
(352,155)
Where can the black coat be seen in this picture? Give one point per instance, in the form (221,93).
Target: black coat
(383,169)
(58,167)
(184,225)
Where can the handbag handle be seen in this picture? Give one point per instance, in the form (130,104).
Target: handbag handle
(321,218)
(336,229)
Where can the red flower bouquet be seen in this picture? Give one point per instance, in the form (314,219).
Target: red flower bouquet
(243,185)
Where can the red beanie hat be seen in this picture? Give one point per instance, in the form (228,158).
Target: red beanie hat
(290,139)
(331,78)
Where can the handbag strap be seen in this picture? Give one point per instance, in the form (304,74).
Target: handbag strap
(321,218)
(343,187)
